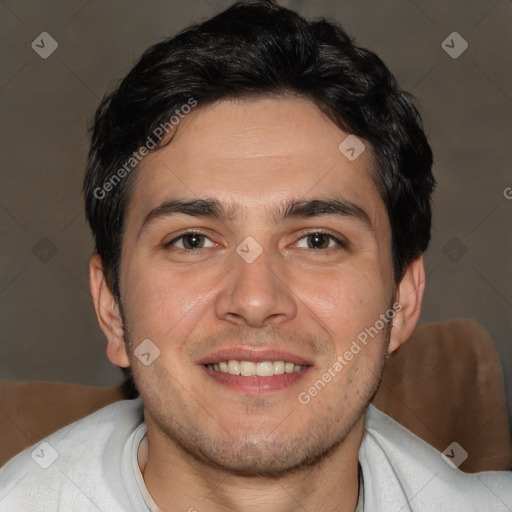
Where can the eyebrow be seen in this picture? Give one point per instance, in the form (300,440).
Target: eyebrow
(294,209)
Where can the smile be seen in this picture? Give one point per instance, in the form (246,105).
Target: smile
(252,368)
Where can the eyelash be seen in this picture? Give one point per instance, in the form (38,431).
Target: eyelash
(342,244)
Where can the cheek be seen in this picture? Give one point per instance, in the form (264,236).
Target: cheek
(164,304)
(345,302)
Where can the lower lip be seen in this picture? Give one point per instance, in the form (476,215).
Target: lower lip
(256,385)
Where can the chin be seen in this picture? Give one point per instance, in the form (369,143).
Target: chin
(258,455)
(269,462)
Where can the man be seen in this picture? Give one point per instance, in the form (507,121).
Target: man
(259,193)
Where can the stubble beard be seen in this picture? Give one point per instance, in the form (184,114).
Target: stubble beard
(258,455)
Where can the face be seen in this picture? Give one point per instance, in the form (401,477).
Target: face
(251,238)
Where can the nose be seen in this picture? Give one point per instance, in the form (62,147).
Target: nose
(256,294)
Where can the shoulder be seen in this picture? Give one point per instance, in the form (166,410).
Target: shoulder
(401,469)
(73,461)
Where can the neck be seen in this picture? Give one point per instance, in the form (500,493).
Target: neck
(177,481)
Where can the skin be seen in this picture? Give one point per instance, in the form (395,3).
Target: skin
(210,447)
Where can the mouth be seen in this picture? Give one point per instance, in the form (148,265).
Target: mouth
(255,372)
(251,368)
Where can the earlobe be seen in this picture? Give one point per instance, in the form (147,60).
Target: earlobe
(408,304)
(107,312)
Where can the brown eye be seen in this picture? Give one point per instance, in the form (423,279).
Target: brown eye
(190,241)
(320,240)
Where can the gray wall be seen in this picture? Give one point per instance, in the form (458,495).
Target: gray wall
(48,326)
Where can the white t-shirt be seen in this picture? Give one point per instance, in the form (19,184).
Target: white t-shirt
(91,465)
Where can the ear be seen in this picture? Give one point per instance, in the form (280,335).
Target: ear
(107,311)
(408,304)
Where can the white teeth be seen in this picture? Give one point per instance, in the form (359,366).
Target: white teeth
(233,367)
(265,369)
(278,367)
(250,368)
(247,368)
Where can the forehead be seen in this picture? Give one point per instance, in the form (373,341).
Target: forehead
(254,154)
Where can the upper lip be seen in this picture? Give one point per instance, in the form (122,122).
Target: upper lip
(254,355)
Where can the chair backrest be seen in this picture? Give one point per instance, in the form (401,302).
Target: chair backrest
(445,384)
(30,411)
